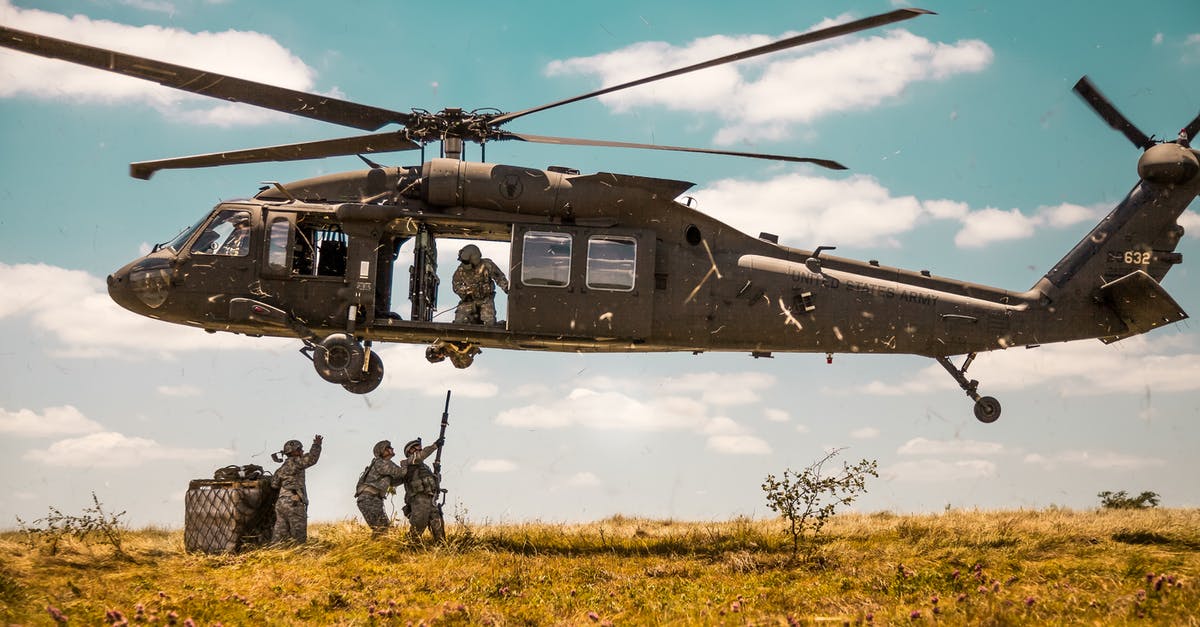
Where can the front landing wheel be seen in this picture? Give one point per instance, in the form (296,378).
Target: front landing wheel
(987,409)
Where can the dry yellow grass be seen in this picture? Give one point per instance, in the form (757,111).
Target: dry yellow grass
(1023,567)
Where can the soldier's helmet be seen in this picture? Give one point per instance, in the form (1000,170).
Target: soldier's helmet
(470,252)
(292,446)
(411,443)
(380,447)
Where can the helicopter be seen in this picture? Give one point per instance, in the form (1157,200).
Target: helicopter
(601,262)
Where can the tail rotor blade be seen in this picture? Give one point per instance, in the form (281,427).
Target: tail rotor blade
(1109,113)
(1192,129)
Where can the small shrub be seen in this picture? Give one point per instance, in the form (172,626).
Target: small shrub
(1122,500)
(93,525)
(807,499)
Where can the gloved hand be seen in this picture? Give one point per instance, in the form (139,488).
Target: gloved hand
(439,442)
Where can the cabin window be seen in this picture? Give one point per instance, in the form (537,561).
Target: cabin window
(228,235)
(278,245)
(546,259)
(611,263)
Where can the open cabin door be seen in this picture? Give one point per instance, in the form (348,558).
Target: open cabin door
(582,282)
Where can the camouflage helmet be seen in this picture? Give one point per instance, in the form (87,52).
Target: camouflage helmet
(469,252)
(381,447)
(292,446)
(412,443)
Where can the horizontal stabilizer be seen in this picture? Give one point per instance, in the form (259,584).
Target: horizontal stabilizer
(1141,303)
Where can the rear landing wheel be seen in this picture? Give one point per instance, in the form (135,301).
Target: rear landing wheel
(368,380)
(987,409)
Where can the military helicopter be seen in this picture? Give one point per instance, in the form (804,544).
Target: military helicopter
(600,262)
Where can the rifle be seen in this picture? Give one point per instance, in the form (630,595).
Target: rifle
(437,459)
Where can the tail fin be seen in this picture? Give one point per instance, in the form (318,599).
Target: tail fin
(1141,233)
(1115,271)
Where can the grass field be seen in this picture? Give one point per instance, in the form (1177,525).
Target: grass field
(990,568)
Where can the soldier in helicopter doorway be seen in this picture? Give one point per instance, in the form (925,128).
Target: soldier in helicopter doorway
(475,282)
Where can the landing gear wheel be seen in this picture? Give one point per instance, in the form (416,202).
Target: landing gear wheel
(338,358)
(987,409)
(369,380)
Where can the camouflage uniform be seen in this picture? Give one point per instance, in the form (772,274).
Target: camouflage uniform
(475,282)
(374,484)
(421,489)
(291,508)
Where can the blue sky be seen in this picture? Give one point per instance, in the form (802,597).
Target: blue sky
(968,155)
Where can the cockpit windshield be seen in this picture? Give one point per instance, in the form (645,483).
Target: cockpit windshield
(176,244)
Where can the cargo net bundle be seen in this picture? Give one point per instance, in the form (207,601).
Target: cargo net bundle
(230,513)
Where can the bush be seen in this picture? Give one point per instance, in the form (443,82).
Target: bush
(807,499)
(94,524)
(1121,500)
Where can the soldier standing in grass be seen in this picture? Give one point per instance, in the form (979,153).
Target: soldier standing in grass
(475,282)
(291,508)
(378,480)
(421,490)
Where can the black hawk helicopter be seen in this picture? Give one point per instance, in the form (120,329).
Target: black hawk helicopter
(600,262)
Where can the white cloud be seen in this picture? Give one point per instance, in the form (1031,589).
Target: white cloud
(805,211)
(717,388)
(179,391)
(493,465)
(970,448)
(776,415)
(54,300)
(65,420)
(758,98)
(865,433)
(859,211)
(1158,39)
(985,226)
(606,410)
(243,54)
(1191,48)
(802,429)
(738,445)
(601,407)
(1190,221)
(936,470)
(1094,460)
(582,480)
(108,449)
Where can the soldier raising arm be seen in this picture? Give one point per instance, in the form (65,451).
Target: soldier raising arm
(291,508)
(421,488)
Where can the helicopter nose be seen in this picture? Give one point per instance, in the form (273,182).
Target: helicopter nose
(145,283)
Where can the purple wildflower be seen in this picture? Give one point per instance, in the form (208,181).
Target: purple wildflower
(56,614)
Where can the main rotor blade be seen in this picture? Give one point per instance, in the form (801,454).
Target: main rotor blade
(209,84)
(378,142)
(569,141)
(1109,113)
(783,44)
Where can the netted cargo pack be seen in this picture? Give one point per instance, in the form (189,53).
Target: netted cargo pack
(228,516)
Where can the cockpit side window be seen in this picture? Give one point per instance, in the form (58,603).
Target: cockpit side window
(227,235)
